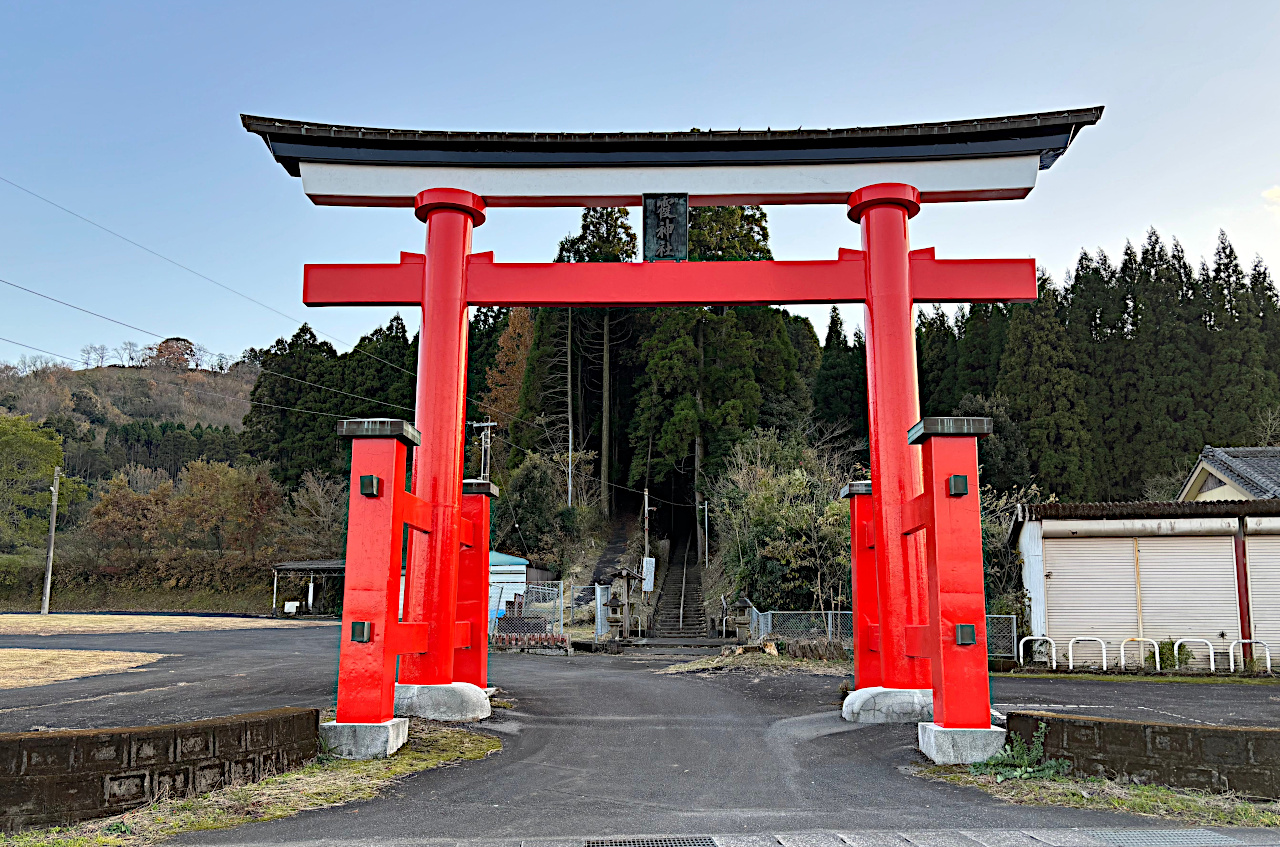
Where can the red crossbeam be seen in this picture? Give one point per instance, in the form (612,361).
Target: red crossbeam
(841,280)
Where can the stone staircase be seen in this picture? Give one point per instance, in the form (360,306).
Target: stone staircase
(687,575)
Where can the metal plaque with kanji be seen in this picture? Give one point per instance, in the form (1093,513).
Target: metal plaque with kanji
(666,227)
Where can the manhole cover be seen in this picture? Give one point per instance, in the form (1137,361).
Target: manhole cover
(1161,837)
(691,841)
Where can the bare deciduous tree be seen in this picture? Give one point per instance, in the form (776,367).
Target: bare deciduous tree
(1266,432)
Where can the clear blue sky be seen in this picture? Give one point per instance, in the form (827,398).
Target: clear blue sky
(128,113)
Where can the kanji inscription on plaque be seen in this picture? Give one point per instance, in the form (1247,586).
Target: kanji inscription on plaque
(666,227)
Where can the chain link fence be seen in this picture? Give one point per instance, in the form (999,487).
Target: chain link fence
(803,626)
(1002,636)
(538,610)
(1002,630)
(585,613)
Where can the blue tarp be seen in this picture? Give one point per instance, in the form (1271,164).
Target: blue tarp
(505,559)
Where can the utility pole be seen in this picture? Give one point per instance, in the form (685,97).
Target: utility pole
(569,387)
(646,523)
(53,525)
(706,533)
(486,446)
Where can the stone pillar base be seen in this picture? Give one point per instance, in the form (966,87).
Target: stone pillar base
(888,705)
(456,701)
(959,746)
(364,740)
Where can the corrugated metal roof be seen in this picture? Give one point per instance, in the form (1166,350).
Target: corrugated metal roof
(1137,509)
(1255,469)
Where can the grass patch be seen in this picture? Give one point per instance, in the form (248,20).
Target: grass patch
(84,624)
(327,782)
(1199,679)
(759,663)
(1182,805)
(21,667)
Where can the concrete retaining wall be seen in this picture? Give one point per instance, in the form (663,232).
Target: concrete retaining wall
(1209,758)
(71,775)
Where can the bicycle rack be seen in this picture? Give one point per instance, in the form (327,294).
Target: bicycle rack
(1053,649)
(1155,650)
(1231,652)
(1071,651)
(1206,642)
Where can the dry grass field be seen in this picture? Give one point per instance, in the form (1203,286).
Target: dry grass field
(22,667)
(83,624)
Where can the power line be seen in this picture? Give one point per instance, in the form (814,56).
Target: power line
(331,414)
(604,482)
(189,270)
(39,350)
(238,293)
(189,388)
(80,308)
(162,337)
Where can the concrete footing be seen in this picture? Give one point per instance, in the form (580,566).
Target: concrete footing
(457,701)
(364,740)
(959,746)
(888,705)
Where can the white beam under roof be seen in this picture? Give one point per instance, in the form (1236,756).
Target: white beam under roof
(947,180)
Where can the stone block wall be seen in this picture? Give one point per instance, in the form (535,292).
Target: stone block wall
(1209,758)
(71,775)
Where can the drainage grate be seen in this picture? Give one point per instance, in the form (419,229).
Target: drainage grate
(1161,837)
(688,841)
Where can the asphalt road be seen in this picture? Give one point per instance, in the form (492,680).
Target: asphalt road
(210,674)
(599,746)
(205,675)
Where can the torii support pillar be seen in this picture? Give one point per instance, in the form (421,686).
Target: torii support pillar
(431,590)
(947,515)
(894,405)
(866,596)
(471,657)
(373,637)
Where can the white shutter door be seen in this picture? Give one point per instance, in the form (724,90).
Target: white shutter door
(1263,553)
(1089,591)
(1189,591)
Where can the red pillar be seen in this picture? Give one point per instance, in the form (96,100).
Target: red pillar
(471,657)
(432,591)
(866,596)
(372,635)
(894,404)
(953,536)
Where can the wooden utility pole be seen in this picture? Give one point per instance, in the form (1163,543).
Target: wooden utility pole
(606,491)
(569,389)
(646,523)
(53,525)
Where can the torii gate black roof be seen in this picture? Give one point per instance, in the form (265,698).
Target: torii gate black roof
(1045,133)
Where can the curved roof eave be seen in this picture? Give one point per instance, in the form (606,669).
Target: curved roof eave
(1047,134)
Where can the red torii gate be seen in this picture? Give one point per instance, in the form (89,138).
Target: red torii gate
(885,275)
(910,590)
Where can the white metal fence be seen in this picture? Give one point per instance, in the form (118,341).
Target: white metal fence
(1089,652)
(538,610)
